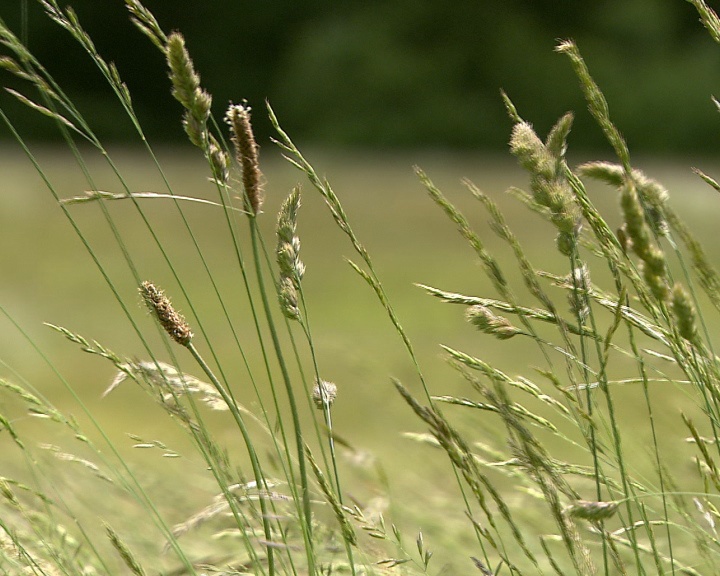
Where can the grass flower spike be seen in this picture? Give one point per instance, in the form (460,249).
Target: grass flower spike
(160,305)
(485,321)
(246,153)
(593,511)
(287,253)
(187,91)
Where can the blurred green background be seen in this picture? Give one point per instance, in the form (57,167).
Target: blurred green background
(400,73)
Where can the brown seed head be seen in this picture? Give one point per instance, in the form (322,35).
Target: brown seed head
(246,152)
(160,305)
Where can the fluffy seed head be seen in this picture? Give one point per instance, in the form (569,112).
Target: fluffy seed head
(684,313)
(287,251)
(530,151)
(324,393)
(184,78)
(556,142)
(607,172)
(288,298)
(186,89)
(485,321)
(219,161)
(593,511)
(161,307)
(635,226)
(579,284)
(246,152)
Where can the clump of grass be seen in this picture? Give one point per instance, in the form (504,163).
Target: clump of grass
(561,487)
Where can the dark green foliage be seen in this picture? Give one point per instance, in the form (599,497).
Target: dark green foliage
(401,73)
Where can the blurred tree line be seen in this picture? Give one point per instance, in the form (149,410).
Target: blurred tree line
(398,73)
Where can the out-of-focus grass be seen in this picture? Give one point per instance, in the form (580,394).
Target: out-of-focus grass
(49,277)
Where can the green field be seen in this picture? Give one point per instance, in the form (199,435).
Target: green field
(49,277)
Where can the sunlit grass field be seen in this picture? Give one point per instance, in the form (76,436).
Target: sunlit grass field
(322,362)
(49,277)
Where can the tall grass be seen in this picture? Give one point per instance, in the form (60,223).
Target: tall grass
(563,487)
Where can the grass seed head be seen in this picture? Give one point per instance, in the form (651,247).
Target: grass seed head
(246,153)
(530,151)
(638,231)
(324,394)
(160,305)
(684,313)
(484,320)
(220,162)
(187,91)
(288,297)
(287,251)
(593,511)
(579,284)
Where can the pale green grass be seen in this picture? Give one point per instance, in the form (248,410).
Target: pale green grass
(562,450)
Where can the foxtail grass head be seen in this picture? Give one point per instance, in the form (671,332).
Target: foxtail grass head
(287,252)
(684,313)
(187,91)
(161,307)
(639,232)
(246,153)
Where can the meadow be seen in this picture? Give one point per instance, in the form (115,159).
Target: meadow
(172,318)
(413,243)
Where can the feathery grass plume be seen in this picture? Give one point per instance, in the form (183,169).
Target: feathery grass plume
(556,141)
(652,194)
(707,274)
(608,172)
(246,153)
(324,394)
(596,101)
(145,21)
(521,311)
(160,305)
(484,320)
(579,283)
(62,456)
(540,468)
(654,197)
(490,264)
(593,511)
(127,556)
(462,457)
(187,91)
(637,229)
(684,313)
(483,569)
(711,468)
(348,532)
(170,382)
(288,242)
(548,182)
(531,152)
(623,239)
(288,298)
(709,18)
(219,162)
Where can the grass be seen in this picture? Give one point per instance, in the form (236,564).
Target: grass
(553,441)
